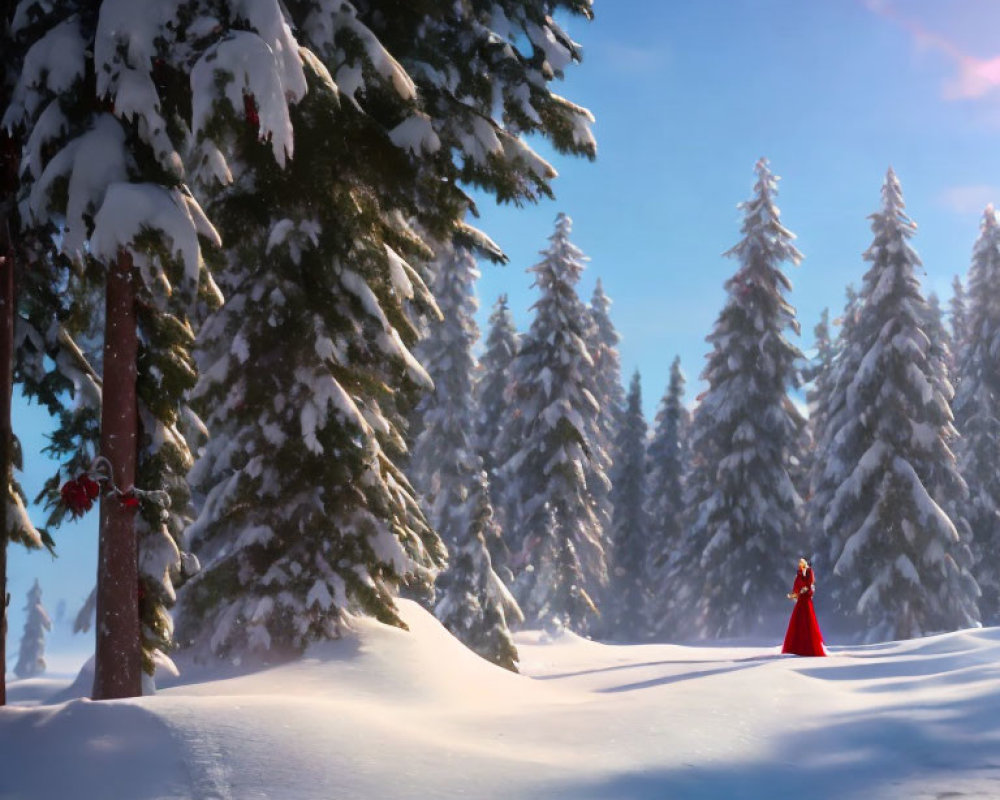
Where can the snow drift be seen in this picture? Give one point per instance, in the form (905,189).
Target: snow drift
(386,714)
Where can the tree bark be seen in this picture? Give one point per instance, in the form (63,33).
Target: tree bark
(118,662)
(6,443)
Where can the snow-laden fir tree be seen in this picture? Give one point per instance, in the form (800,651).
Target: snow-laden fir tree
(958,320)
(14,520)
(553,413)
(492,444)
(942,345)
(558,591)
(824,346)
(744,529)
(474,603)
(18,264)
(105,105)
(818,371)
(626,598)
(901,566)
(31,656)
(482,72)
(946,483)
(977,413)
(443,462)
(602,342)
(446,469)
(818,374)
(666,465)
(306,512)
(828,411)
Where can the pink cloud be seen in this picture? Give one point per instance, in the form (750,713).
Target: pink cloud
(968,200)
(976,77)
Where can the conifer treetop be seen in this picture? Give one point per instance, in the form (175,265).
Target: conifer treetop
(900,563)
(975,407)
(743,506)
(989,235)
(600,303)
(764,237)
(31,657)
(561,253)
(958,311)
(890,224)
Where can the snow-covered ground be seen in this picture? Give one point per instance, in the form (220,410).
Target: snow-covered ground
(386,714)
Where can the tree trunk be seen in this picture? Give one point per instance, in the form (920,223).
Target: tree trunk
(118,663)
(6,448)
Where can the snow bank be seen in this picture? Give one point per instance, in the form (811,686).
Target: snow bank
(386,714)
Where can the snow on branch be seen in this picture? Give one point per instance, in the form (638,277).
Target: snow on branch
(269,21)
(130,209)
(50,126)
(250,68)
(332,17)
(124,51)
(92,162)
(54,63)
(416,134)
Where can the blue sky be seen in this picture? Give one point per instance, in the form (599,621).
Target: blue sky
(688,94)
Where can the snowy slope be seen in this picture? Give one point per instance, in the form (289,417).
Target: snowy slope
(385,714)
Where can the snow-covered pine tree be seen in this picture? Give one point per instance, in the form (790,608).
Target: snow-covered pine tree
(553,413)
(818,371)
(15,526)
(304,512)
(744,528)
(31,656)
(443,461)
(666,465)
(107,103)
(817,374)
(958,320)
(626,598)
(827,412)
(945,483)
(446,469)
(899,561)
(371,152)
(483,73)
(602,342)
(475,604)
(558,589)
(942,345)
(489,435)
(823,343)
(977,412)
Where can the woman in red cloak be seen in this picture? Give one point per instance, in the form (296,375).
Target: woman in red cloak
(803,637)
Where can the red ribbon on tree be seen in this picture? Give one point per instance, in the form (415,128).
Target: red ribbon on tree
(250,112)
(129,500)
(78,495)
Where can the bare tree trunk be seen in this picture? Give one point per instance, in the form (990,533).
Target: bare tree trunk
(118,662)
(6,434)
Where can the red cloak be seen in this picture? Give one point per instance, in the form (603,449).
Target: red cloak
(804,637)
